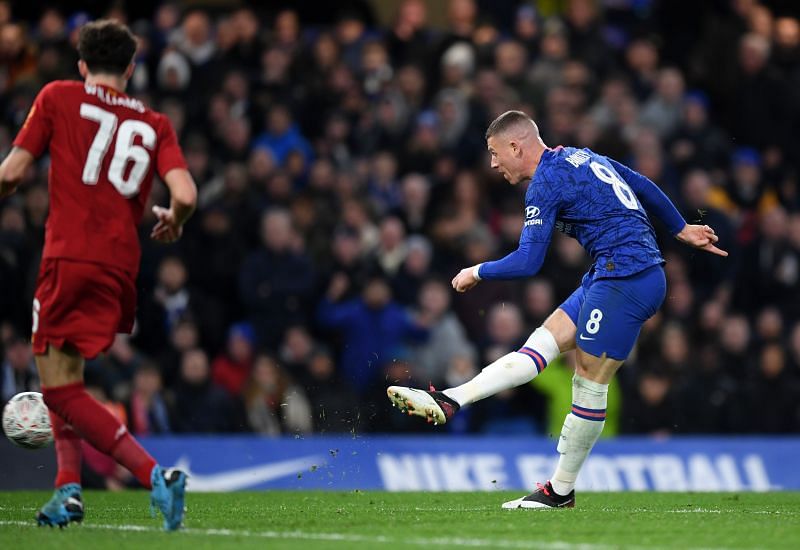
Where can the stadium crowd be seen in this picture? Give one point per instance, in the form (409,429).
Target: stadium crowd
(344,180)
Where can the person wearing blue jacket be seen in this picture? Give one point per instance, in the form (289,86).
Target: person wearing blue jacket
(371,325)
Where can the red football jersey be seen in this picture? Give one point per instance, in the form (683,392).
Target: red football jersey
(104,150)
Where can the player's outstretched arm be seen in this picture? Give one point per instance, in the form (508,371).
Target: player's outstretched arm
(525,261)
(13,169)
(183,199)
(700,236)
(652,197)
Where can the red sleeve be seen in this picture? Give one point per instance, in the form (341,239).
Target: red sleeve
(169,153)
(35,132)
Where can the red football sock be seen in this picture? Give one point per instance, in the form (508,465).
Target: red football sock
(94,423)
(68,451)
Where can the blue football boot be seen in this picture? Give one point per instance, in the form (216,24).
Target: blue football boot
(64,506)
(167,495)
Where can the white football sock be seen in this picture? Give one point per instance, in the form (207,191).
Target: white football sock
(582,427)
(510,371)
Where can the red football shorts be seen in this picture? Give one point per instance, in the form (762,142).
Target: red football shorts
(82,304)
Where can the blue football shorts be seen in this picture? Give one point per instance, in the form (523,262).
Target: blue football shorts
(609,313)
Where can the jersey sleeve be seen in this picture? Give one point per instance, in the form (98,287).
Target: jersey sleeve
(652,197)
(541,210)
(34,136)
(169,154)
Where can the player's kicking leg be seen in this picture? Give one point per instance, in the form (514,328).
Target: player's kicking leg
(556,335)
(61,374)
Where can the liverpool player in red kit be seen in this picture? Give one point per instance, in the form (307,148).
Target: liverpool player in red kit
(105,148)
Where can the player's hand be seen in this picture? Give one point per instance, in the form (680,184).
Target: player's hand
(166,229)
(702,237)
(465,279)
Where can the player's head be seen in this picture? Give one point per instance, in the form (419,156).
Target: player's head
(514,143)
(106,47)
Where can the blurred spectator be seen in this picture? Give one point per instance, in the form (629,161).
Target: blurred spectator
(769,326)
(415,269)
(505,332)
(173,300)
(675,349)
(15,258)
(184,336)
(296,350)
(664,108)
(409,39)
(756,121)
(200,405)
(462,214)
(583,21)
(708,275)
(767,274)
(333,402)
(274,281)
(372,327)
(735,341)
(282,136)
(446,340)
(383,185)
(539,302)
(147,409)
(194,37)
(18,371)
(347,260)
(652,409)
(696,142)
(642,59)
(117,366)
(16,53)
(214,255)
(746,196)
(392,250)
(413,208)
(275,405)
(770,396)
(708,395)
(231,369)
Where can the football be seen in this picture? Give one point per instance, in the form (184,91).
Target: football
(26,421)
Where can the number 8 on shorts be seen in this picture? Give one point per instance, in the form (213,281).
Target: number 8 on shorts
(593,324)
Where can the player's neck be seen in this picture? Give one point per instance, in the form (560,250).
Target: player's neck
(109,81)
(537,156)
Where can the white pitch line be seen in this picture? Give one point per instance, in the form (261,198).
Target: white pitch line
(700,511)
(372,539)
(342,537)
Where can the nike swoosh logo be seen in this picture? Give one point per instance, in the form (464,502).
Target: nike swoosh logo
(242,478)
(582,337)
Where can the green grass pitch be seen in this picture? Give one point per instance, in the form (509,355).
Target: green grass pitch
(281,519)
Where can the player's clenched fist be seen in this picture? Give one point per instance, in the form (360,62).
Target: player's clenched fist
(465,279)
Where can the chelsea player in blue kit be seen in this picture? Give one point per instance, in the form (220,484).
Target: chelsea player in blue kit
(603,205)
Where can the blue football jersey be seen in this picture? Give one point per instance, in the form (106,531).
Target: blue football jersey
(579,193)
